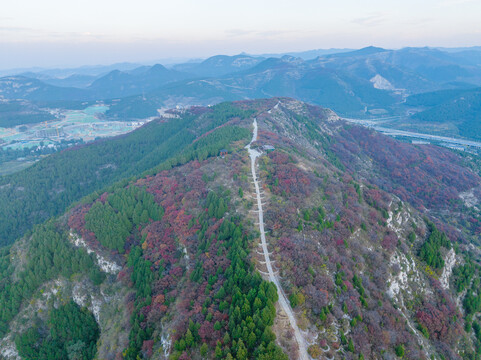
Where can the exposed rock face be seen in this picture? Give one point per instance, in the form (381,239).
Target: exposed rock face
(108,266)
(449,262)
(341,215)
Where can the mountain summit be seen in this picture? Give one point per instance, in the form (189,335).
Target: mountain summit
(272,230)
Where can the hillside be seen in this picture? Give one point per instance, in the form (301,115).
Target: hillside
(288,76)
(18,112)
(137,81)
(365,83)
(460,108)
(48,187)
(328,237)
(372,79)
(20,87)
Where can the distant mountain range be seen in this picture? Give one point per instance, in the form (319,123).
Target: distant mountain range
(21,87)
(357,83)
(220,65)
(91,70)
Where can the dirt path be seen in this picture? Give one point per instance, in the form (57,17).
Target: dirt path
(254,154)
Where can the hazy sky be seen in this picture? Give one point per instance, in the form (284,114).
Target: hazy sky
(67,33)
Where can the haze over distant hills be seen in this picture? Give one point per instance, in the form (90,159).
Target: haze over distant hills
(368,82)
(232,199)
(168,62)
(240,180)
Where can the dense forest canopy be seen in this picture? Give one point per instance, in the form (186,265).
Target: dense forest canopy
(48,187)
(356,232)
(72,334)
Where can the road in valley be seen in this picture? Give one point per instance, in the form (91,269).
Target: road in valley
(374,124)
(254,154)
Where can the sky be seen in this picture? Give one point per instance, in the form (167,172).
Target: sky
(52,33)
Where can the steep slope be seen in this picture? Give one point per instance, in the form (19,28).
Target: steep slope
(363,235)
(396,77)
(33,195)
(274,278)
(433,64)
(287,76)
(362,83)
(413,70)
(350,83)
(168,227)
(460,108)
(396,235)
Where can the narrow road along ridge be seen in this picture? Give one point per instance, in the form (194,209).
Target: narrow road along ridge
(254,154)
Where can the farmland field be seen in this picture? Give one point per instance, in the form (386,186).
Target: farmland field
(70,127)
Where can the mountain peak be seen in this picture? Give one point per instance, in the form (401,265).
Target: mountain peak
(338,206)
(366,51)
(158,67)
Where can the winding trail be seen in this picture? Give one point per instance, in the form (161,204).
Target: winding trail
(254,154)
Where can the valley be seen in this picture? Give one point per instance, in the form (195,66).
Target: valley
(71,127)
(408,90)
(424,86)
(243,207)
(449,142)
(240,180)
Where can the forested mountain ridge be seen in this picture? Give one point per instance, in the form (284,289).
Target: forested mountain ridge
(21,112)
(372,265)
(47,188)
(362,83)
(462,108)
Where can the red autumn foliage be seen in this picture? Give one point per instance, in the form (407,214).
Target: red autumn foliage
(389,241)
(438,319)
(426,176)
